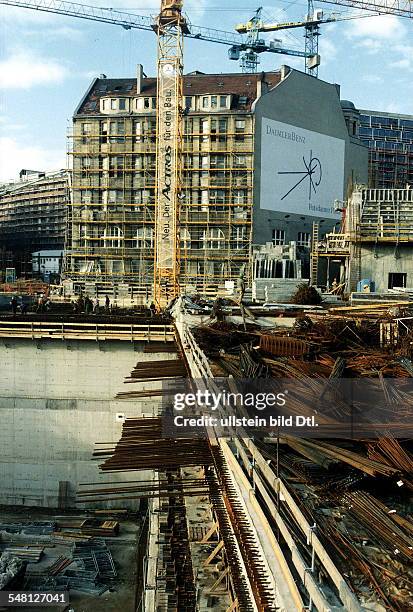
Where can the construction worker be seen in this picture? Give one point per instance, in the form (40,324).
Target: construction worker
(88,305)
(80,304)
(13,304)
(107,303)
(40,303)
(96,306)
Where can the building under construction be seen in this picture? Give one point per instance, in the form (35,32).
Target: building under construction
(375,246)
(33,213)
(234,126)
(389,137)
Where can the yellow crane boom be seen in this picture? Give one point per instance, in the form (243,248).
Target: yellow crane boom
(170,27)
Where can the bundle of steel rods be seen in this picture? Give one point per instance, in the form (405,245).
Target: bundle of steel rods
(143,446)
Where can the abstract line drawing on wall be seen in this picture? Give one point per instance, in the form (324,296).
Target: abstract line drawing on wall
(312,173)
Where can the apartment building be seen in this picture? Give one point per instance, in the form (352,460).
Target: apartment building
(227,121)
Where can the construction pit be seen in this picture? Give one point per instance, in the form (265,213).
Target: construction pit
(233,522)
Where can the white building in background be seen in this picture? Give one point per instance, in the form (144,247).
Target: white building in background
(47,263)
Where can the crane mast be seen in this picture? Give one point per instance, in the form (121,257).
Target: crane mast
(170,27)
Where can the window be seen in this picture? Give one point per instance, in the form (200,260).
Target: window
(239,196)
(239,130)
(303,239)
(216,196)
(113,104)
(138,131)
(104,132)
(278,236)
(188,102)
(146,103)
(112,196)
(238,237)
(144,237)
(213,238)
(122,104)
(185,238)
(213,101)
(117,131)
(85,166)
(240,161)
(116,165)
(397,279)
(86,131)
(218,126)
(112,237)
(205,102)
(104,104)
(86,197)
(223,101)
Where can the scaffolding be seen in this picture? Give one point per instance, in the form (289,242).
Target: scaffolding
(111,220)
(374,217)
(33,216)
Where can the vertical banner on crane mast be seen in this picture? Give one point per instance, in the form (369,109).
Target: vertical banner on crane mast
(166,179)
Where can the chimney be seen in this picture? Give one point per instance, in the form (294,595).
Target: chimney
(139,78)
(262,86)
(285,71)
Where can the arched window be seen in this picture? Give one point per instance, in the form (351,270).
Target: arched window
(112,237)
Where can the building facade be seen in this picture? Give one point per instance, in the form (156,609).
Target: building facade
(33,215)
(222,212)
(389,138)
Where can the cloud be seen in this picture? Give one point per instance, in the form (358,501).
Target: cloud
(327,49)
(14,155)
(51,34)
(23,70)
(382,27)
(372,78)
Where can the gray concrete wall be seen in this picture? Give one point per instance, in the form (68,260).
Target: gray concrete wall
(56,402)
(303,101)
(376,264)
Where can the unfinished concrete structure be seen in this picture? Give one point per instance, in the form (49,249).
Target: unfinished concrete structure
(57,398)
(376,242)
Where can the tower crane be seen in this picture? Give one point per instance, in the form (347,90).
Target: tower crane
(171,27)
(311,25)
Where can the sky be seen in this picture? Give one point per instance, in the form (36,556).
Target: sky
(47,62)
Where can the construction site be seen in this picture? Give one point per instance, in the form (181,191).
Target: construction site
(210,408)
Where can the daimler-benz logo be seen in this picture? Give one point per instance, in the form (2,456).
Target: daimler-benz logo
(312,173)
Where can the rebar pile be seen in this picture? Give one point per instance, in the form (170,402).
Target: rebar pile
(143,446)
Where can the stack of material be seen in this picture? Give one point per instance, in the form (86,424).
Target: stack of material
(143,446)
(10,567)
(31,554)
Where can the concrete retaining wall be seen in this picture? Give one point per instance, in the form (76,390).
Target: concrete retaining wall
(56,402)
